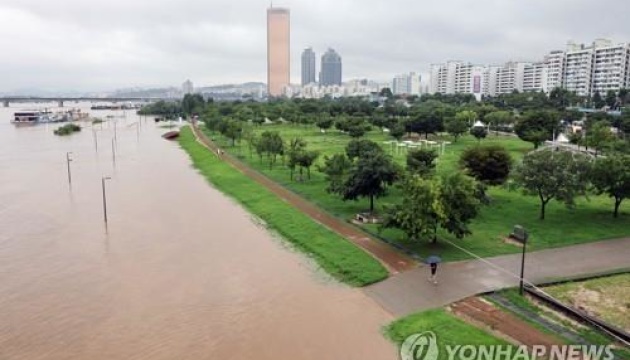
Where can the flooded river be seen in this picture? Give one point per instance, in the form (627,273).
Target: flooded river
(181,272)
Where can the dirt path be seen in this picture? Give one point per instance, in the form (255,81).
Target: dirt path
(477,311)
(393,260)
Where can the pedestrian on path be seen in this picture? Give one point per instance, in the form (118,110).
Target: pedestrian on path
(433,262)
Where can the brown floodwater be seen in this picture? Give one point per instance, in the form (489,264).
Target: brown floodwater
(182,272)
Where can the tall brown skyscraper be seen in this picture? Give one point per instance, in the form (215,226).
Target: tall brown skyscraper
(278,53)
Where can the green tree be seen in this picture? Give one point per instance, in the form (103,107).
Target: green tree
(488,164)
(598,101)
(479,132)
(324,122)
(537,126)
(457,126)
(358,147)
(421,162)
(598,136)
(336,169)
(611,98)
(611,176)
(551,174)
(460,202)
(419,212)
(271,143)
(449,202)
(499,120)
(397,131)
(192,103)
(231,129)
(370,176)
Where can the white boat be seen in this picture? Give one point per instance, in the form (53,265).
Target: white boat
(30,117)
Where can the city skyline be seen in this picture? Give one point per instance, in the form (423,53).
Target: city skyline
(58,46)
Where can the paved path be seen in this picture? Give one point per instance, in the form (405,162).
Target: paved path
(393,260)
(410,291)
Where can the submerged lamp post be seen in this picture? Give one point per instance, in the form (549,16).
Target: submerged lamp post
(68,160)
(104,197)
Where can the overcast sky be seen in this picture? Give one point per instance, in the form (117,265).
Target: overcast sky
(99,45)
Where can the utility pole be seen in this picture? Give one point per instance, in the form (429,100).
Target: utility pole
(113,152)
(68,160)
(95,140)
(104,197)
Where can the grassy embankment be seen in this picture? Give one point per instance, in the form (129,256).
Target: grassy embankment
(448,329)
(607,297)
(340,258)
(615,286)
(591,220)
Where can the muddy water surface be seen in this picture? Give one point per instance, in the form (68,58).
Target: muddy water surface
(182,272)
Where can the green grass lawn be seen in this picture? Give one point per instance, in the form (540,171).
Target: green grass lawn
(449,330)
(337,256)
(591,220)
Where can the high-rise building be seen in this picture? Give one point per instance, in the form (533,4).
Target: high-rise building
(406,84)
(456,77)
(308,66)
(187,87)
(330,73)
(278,51)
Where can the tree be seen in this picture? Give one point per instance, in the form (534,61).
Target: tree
(598,101)
(325,122)
(358,147)
(479,132)
(488,164)
(192,103)
(336,169)
(598,135)
(271,143)
(611,176)
(460,203)
(449,202)
(551,174)
(500,120)
(537,126)
(611,98)
(231,129)
(419,213)
(370,177)
(397,131)
(421,161)
(428,117)
(456,126)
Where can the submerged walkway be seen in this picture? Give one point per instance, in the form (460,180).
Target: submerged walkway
(393,260)
(411,292)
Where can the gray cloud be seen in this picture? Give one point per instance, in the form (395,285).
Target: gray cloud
(86,45)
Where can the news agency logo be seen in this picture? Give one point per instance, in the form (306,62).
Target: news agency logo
(424,346)
(420,347)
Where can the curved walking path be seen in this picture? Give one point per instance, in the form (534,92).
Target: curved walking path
(393,260)
(411,292)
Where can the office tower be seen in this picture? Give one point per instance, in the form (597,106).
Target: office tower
(308,67)
(278,50)
(330,73)
(187,87)
(406,84)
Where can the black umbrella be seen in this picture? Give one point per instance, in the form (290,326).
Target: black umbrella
(433,259)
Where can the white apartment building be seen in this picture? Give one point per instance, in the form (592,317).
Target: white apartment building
(456,77)
(406,84)
(583,69)
(554,62)
(187,87)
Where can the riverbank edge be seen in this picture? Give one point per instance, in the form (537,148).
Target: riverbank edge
(337,256)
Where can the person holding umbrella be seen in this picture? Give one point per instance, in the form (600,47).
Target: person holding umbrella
(433,262)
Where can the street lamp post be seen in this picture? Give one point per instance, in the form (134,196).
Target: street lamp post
(113,152)
(68,160)
(104,197)
(522,236)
